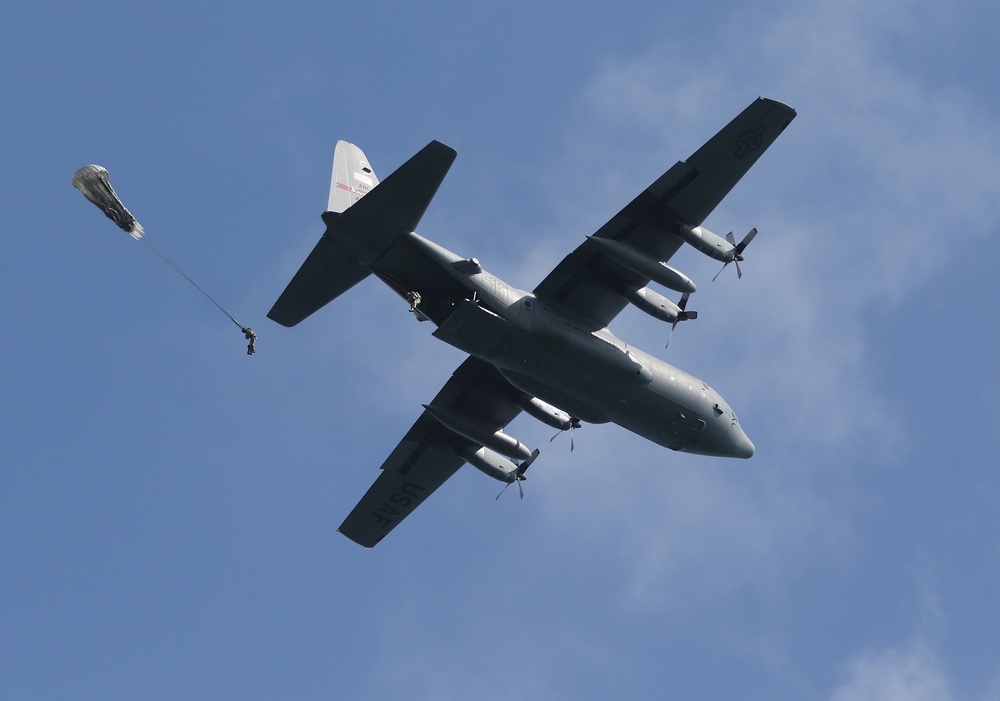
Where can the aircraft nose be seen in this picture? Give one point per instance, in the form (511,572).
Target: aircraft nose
(744,446)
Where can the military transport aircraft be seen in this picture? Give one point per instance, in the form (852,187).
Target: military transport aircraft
(548,352)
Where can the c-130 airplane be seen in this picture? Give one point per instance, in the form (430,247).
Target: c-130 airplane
(548,352)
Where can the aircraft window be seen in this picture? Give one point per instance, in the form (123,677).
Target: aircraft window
(367,170)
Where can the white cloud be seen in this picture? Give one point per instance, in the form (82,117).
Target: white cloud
(858,203)
(852,202)
(910,673)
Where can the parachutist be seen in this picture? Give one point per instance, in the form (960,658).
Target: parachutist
(252,337)
(414,299)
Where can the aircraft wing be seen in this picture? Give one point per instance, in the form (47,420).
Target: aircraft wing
(429,453)
(592,286)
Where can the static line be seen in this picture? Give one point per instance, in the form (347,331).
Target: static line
(152,246)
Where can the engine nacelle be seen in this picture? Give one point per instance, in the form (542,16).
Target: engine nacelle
(493,464)
(708,243)
(547,414)
(654,304)
(644,264)
(499,441)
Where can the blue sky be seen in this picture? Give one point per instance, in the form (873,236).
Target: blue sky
(168,507)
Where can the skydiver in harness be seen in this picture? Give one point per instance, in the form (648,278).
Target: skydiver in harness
(251,337)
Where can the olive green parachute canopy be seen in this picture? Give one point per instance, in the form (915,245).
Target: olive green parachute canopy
(93,182)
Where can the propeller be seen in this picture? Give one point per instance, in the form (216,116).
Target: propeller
(574,423)
(520,489)
(682,315)
(738,249)
(518,474)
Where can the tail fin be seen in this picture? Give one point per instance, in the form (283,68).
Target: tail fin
(330,270)
(361,228)
(352,178)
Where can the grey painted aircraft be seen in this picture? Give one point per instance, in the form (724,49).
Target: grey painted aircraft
(548,352)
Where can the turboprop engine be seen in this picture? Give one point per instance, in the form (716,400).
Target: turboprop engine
(659,307)
(548,414)
(497,466)
(724,249)
(709,243)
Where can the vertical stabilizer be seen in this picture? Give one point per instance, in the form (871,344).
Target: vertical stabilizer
(352,179)
(361,229)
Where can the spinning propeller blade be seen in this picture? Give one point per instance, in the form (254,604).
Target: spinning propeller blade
(518,475)
(681,316)
(574,423)
(738,249)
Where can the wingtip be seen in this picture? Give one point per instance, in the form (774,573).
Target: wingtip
(366,546)
(278,318)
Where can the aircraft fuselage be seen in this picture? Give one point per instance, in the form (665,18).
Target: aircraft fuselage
(546,352)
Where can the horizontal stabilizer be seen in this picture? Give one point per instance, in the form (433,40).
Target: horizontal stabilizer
(361,225)
(327,273)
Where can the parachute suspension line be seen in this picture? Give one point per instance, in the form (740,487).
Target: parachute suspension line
(169,261)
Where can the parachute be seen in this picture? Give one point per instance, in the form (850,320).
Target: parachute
(94,183)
